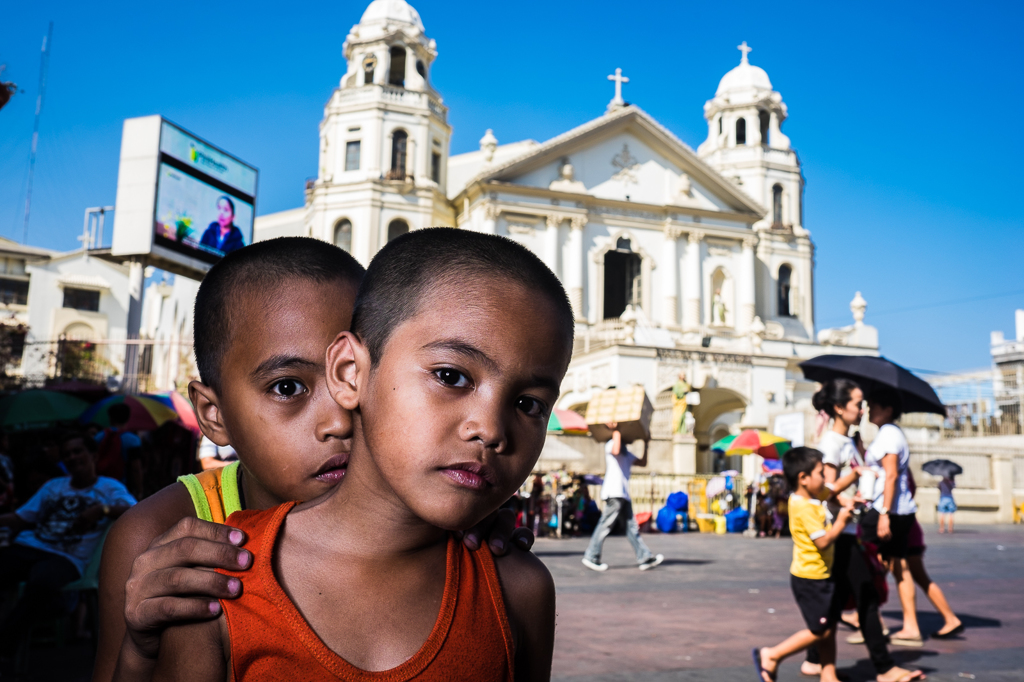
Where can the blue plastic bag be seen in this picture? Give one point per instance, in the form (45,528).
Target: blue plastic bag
(666,520)
(679,501)
(736,521)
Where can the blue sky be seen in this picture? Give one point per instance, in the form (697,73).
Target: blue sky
(906,117)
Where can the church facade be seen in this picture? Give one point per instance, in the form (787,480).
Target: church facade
(675,260)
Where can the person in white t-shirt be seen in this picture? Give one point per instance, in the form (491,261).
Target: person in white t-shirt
(840,400)
(56,534)
(617,503)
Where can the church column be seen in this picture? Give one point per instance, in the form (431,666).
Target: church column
(692,316)
(572,263)
(491,219)
(554,221)
(746,286)
(668,269)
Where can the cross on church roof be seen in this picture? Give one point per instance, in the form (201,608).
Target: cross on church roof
(619,80)
(745,49)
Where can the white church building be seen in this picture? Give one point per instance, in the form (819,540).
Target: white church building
(675,259)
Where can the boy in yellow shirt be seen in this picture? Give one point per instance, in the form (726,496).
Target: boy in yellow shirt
(812,565)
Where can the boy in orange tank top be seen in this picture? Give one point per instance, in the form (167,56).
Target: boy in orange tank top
(459,344)
(265,315)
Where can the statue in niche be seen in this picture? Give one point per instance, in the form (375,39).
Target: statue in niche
(679,392)
(718,309)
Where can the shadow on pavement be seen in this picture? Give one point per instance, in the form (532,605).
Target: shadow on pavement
(932,622)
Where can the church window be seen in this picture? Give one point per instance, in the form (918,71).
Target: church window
(720,118)
(420,68)
(352,155)
(622,281)
(80,299)
(396,73)
(343,235)
(397,228)
(785,277)
(399,142)
(435,167)
(741,131)
(777,206)
(764,119)
(369,64)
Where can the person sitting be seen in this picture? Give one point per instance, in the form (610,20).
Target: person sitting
(56,533)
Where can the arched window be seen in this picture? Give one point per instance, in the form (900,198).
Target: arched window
(741,131)
(785,276)
(777,206)
(720,119)
(343,234)
(369,64)
(396,228)
(399,142)
(622,281)
(396,72)
(421,69)
(764,119)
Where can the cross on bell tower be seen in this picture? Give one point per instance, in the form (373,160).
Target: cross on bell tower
(745,49)
(619,79)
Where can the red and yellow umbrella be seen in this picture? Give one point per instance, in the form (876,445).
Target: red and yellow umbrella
(754,442)
(146,413)
(181,405)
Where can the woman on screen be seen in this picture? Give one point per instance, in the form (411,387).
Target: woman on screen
(222,234)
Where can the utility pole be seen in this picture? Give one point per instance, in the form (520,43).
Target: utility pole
(43,68)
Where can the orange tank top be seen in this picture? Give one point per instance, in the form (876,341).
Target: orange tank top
(270,640)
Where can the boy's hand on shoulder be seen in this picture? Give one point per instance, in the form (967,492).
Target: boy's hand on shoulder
(171,582)
(500,530)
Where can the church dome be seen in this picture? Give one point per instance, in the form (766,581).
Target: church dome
(746,76)
(391,11)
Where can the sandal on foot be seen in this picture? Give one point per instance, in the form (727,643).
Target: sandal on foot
(916,642)
(761,672)
(958,630)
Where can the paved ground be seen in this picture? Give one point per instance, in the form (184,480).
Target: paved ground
(698,616)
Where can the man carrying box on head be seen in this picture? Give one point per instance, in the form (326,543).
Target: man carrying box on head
(615,493)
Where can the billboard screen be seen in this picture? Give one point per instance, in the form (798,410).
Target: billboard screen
(205,199)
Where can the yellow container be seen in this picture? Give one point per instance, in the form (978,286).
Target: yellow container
(706,523)
(719,525)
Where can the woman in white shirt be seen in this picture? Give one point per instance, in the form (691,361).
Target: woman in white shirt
(840,400)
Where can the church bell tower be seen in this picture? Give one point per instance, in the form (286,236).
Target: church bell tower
(383,139)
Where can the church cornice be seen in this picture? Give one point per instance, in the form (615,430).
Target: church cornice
(645,124)
(588,203)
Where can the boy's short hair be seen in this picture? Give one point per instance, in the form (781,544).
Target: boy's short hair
(798,461)
(69,435)
(259,269)
(118,414)
(410,266)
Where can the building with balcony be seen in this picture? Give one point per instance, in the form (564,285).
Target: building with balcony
(1008,376)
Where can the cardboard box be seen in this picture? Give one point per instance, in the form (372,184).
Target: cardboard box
(630,407)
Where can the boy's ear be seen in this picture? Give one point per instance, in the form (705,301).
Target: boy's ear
(347,360)
(207,406)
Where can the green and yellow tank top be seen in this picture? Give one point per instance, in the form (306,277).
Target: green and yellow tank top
(214,492)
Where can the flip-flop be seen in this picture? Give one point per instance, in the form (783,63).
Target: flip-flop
(848,624)
(958,630)
(916,642)
(761,672)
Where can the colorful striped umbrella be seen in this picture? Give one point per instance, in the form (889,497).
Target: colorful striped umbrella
(181,405)
(146,413)
(567,421)
(755,442)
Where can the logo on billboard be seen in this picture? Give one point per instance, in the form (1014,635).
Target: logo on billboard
(201,159)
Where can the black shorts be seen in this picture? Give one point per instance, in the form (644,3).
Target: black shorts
(898,545)
(814,597)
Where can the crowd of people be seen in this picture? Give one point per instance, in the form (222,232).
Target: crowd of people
(346,363)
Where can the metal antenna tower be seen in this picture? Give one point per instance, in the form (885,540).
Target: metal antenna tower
(43,68)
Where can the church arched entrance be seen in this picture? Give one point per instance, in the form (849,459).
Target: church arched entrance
(622,278)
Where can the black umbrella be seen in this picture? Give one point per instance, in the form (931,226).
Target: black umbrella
(942,468)
(872,373)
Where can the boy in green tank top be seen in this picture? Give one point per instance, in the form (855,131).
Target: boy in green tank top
(264,318)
